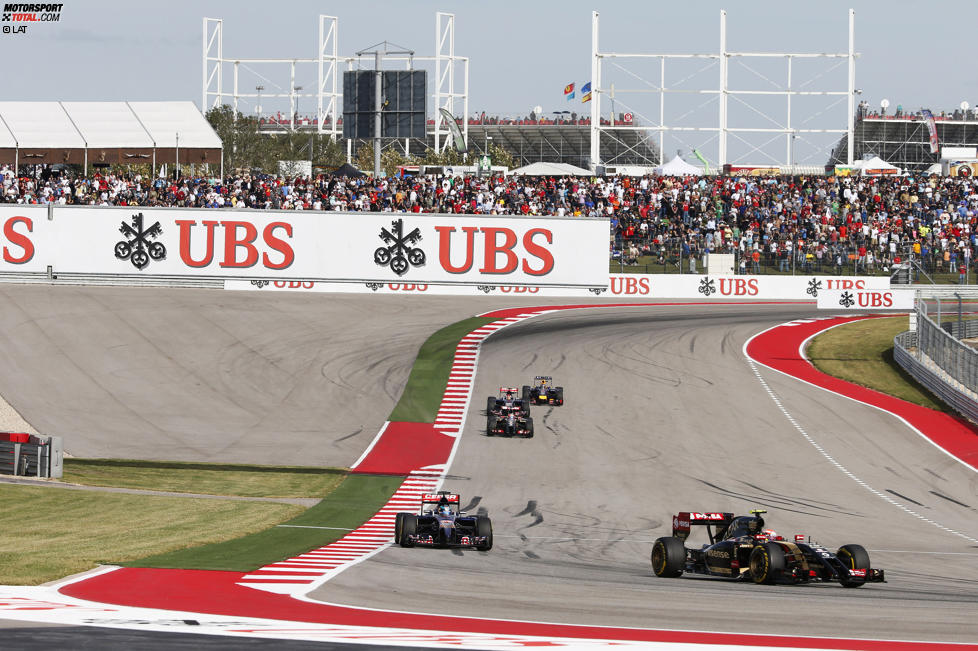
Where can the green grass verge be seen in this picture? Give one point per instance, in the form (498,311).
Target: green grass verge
(862,352)
(354,502)
(49,533)
(206,478)
(429,375)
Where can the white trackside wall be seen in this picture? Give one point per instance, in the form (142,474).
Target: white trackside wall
(685,286)
(858,300)
(296,245)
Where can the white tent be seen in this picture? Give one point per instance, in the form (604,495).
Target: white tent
(678,167)
(86,133)
(551,169)
(108,124)
(876,166)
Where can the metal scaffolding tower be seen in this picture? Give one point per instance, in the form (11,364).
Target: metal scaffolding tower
(723,92)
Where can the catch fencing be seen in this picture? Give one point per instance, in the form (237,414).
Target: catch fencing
(935,355)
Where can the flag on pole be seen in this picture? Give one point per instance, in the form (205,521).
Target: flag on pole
(932,129)
(569,91)
(586,93)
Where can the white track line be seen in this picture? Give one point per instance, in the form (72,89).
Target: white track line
(303,573)
(830,458)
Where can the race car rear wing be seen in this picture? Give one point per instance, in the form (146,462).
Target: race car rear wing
(543,377)
(684,520)
(430,501)
(508,390)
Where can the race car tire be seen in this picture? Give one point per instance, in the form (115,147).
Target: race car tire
(560,396)
(767,563)
(489,424)
(490,404)
(409,527)
(527,393)
(398,527)
(483,527)
(529,428)
(853,557)
(668,557)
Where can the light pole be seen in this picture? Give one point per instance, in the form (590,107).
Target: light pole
(964,123)
(295,115)
(259,88)
(883,104)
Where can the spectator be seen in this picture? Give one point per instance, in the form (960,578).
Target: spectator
(794,223)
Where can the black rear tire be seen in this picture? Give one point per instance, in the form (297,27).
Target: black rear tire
(767,563)
(560,395)
(668,557)
(483,527)
(399,527)
(853,557)
(529,428)
(527,392)
(409,527)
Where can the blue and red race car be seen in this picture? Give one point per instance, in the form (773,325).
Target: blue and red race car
(439,523)
(543,392)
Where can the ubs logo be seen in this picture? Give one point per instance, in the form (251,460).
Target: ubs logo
(137,247)
(399,254)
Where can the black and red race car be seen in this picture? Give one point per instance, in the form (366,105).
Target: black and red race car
(543,392)
(508,415)
(741,548)
(439,523)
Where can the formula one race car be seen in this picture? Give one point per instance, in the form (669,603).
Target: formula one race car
(510,422)
(508,415)
(507,402)
(741,548)
(543,392)
(441,524)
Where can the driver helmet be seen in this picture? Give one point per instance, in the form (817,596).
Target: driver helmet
(444,509)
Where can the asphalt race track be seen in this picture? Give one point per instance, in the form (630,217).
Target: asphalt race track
(212,375)
(663,413)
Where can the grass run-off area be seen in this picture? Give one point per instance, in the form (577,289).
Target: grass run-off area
(48,533)
(206,478)
(354,502)
(429,375)
(862,352)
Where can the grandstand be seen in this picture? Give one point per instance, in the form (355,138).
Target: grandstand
(902,139)
(530,139)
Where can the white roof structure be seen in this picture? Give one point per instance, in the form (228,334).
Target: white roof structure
(7,139)
(678,167)
(876,165)
(107,124)
(164,120)
(105,132)
(37,125)
(551,169)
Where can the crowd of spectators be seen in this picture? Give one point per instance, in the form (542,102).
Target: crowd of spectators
(566,118)
(815,223)
(864,110)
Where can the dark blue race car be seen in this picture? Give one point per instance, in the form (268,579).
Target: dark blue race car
(440,524)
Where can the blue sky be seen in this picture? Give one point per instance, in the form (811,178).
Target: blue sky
(522,54)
